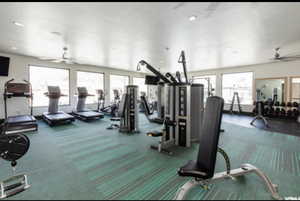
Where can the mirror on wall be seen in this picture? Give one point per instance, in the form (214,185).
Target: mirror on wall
(295,89)
(273,89)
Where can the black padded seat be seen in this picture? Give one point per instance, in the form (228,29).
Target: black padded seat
(157,120)
(191,169)
(204,167)
(21,119)
(115,119)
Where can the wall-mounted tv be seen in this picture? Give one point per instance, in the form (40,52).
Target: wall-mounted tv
(4,66)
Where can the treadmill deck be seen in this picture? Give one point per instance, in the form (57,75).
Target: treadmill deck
(89,114)
(58,116)
(21,119)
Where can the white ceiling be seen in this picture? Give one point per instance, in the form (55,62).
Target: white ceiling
(120,34)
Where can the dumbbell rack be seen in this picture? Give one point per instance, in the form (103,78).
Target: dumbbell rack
(281,110)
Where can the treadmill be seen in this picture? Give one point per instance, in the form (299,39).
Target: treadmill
(54,117)
(82,113)
(148,113)
(19,123)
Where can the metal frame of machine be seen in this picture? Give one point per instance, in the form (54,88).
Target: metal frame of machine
(203,169)
(12,148)
(82,113)
(180,120)
(19,123)
(54,117)
(129,121)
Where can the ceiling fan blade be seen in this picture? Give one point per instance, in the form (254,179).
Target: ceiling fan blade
(57,60)
(294,57)
(46,58)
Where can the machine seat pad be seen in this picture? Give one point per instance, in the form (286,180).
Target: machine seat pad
(115,119)
(191,169)
(155,134)
(21,119)
(157,120)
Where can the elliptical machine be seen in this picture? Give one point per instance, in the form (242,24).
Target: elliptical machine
(113,108)
(12,148)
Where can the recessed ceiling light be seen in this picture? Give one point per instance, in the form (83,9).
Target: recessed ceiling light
(14,48)
(18,24)
(193,18)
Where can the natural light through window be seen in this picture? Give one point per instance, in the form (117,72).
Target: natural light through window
(206,80)
(140,82)
(93,82)
(295,89)
(42,77)
(118,82)
(238,82)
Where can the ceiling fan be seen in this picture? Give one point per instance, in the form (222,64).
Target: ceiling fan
(64,59)
(278,57)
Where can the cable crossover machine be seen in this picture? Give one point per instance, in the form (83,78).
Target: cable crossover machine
(184,106)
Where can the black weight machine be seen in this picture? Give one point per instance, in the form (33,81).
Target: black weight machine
(12,148)
(148,112)
(184,106)
(203,169)
(19,123)
(127,115)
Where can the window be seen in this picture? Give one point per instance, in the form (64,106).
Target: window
(238,82)
(141,83)
(206,80)
(93,82)
(42,77)
(118,82)
(295,89)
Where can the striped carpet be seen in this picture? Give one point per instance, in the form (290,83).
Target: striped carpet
(85,161)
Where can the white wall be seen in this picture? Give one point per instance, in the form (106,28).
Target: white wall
(271,70)
(19,70)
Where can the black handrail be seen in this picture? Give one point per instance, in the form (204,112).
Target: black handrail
(153,70)
(183,61)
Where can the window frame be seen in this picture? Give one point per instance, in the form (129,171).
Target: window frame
(116,74)
(253,84)
(60,68)
(140,78)
(86,71)
(291,86)
(207,75)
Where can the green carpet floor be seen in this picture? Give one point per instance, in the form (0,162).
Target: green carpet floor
(86,161)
